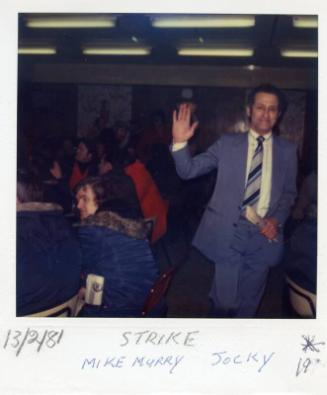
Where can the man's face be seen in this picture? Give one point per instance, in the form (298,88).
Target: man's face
(82,154)
(86,201)
(264,112)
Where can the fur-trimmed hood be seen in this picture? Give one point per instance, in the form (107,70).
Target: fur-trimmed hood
(38,206)
(108,219)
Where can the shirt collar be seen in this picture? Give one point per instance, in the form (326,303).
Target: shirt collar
(254,135)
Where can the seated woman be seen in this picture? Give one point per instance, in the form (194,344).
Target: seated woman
(115,248)
(48,254)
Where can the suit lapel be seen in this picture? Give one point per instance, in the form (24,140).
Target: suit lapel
(239,161)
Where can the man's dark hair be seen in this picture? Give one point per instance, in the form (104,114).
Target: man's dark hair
(271,89)
(97,186)
(114,192)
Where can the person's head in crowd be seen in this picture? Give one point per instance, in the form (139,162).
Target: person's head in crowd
(115,158)
(86,151)
(105,166)
(95,194)
(28,189)
(266,105)
(90,195)
(114,192)
(40,162)
(121,196)
(121,133)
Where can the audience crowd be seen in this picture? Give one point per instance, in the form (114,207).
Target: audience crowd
(91,207)
(97,208)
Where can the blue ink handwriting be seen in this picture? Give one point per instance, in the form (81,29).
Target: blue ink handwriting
(170,361)
(142,361)
(111,362)
(252,358)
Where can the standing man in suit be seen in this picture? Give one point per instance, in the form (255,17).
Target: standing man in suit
(255,169)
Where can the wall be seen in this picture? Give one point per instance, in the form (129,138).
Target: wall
(52,107)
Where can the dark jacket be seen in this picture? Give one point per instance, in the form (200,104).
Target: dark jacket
(117,249)
(48,258)
(123,198)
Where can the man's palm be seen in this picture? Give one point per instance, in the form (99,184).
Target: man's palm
(183,130)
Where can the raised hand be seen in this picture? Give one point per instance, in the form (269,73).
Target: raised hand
(183,130)
(55,170)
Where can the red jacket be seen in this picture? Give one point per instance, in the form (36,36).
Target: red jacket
(151,202)
(76,176)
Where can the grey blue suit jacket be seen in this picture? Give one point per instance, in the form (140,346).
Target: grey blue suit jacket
(229,155)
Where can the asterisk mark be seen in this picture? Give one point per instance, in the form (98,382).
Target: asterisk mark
(310,344)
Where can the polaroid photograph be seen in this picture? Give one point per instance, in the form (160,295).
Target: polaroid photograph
(163,226)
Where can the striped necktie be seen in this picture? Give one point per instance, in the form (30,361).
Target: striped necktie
(253,185)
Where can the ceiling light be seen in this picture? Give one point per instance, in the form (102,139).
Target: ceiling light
(227,52)
(62,22)
(251,67)
(135,51)
(218,21)
(299,53)
(309,22)
(37,51)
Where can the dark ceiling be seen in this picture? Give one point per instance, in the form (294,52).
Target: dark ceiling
(267,37)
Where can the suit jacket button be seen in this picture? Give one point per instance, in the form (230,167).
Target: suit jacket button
(235,225)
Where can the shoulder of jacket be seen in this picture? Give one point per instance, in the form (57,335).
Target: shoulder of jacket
(232,138)
(285,143)
(109,220)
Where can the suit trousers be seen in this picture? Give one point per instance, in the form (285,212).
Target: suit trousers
(240,276)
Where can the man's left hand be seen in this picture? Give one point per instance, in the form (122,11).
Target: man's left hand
(269,228)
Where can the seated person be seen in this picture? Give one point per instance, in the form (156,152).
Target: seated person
(152,204)
(43,167)
(85,162)
(122,135)
(48,254)
(115,248)
(301,253)
(120,186)
(150,200)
